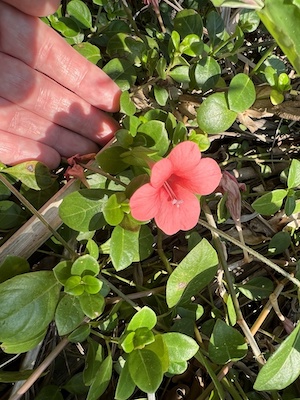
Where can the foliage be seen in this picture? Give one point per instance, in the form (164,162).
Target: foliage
(145,312)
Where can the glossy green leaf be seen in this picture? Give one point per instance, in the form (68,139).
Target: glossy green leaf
(177,367)
(110,160)
(62,271)
(290,203)
(93,361)
(92,285)
(294,174)
(180,74)
(89,51)
(283,367)
(126,46)
(145,244)
(80,12)
(257,288)
(112,209)
(145,370)
(11,215)
(269,203)
(22,346)
(73,286)
(226,344)
(92,248)
(279,243)
(101,380)
(127,342)
(125,386)
(68,315)
(82,210)
(249,20)
(207,73)
(75,385)
(161,95)
(159,347)
(180,347)
(215,27)
(14,376)
(144,318)
(80,334)
(142,337)
(13,266)
(126,104)
(33,174)
(123,247)
(188,22)
(241,93)
(28,305)
(157,134)
(213,115)
(85,265)
(66,26)
(92,304)
(122,72)
(193,273)
(191,45)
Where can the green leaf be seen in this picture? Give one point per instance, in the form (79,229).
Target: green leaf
(85,265)
(49,392)
(10,215)
(257,288)
(80,334)
(279,243)
(191,45)
(157,134)
(14,376)
(161,95)
(62,271)
(226,344)
(269,203)
(145,244)
(125,46)
(241,93)
(66,26)
(89,51)
(73,286)
(194,272)
(82,210)
(28,303)
(68,315)
(283,367)
(92,304)
(294,174)
(180,347)
(93,361)
(159,347)
(22,346)
(145,370)
(123,247)
(112,209)
(142,337)
(110,160)
(80,12)
(290,203)
(126,104)
(101,380)
(180,74)
(188,22)
(125,386)
(213,115)
(92,248)
(144,318)
(122,72)
(13,266)
(207,73)
(92,285)
(33,174)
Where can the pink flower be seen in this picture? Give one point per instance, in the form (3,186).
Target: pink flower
(170,198)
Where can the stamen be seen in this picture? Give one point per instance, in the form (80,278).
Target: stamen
(176,202)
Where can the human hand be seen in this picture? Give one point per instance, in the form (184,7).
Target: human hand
(53,102)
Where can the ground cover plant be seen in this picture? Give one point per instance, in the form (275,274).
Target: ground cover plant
(171,270)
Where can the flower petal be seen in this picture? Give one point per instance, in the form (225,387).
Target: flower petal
(160,172)
(144,203)
(203,179)
(184,215)
(185,157)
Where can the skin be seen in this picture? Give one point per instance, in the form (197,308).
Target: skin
(53,102)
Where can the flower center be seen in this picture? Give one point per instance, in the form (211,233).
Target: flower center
(175,201)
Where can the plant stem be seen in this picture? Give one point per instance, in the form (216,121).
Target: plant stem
(250,251)
(116,290)
(103,173)
(40,369)
(161,252)
(30,207)
(240,318)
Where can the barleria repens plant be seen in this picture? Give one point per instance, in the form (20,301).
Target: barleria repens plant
(175,270)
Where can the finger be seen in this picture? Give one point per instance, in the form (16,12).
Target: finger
(38,8)
(18,121)
(49,53)
(15,149)
(37,93)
